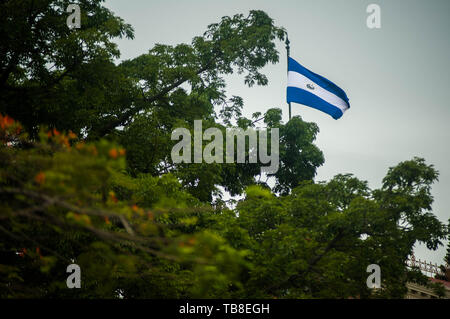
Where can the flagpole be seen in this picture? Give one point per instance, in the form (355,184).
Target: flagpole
(288,53)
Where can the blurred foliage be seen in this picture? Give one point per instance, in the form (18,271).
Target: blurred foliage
(64,200)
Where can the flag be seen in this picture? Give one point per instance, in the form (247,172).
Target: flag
(308,88)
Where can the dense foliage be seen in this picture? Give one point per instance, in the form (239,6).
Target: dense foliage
(86,175)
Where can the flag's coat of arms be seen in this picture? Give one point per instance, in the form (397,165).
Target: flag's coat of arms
(308,88)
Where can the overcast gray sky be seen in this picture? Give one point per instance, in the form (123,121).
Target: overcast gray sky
(397,78)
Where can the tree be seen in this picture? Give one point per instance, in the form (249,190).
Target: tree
(71,83)
(64,199)
(50,74)
(445,268)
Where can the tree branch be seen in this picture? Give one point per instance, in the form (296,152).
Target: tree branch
(131,112)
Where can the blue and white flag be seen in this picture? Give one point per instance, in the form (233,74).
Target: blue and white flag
(308,88)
